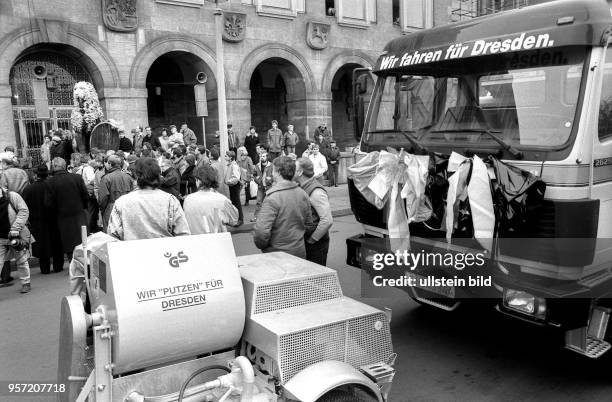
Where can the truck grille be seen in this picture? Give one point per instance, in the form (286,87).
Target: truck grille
(278,296)
(358,342)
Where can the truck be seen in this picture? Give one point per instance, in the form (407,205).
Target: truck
(532,88)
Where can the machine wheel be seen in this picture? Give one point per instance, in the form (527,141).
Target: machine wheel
(338,395)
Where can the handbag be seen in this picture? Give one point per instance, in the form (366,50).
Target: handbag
(253,187)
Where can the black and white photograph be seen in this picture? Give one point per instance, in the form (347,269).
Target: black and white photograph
(305,200)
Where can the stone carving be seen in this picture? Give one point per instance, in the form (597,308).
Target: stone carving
(317,35)
(120,15)
(234,26)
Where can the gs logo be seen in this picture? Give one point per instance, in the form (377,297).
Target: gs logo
(176,260)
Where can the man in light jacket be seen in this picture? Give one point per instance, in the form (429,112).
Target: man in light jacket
(317,239)
(319,162)
(285,213)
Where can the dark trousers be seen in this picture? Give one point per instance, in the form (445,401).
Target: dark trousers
(317,251)
(5,276)
(261,194)
(273,155)
(92,215)
(332,174)
(247,192)
(58,263)
(235,199)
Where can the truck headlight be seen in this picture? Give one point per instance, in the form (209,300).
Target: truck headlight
(525,303)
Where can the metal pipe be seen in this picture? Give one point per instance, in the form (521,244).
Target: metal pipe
(248,378)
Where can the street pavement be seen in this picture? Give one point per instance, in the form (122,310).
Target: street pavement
(473,354)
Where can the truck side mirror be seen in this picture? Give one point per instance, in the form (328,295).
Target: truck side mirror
(360,89)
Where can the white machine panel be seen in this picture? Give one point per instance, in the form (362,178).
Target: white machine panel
(169,298)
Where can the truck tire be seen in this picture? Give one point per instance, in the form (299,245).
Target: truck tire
(338,395)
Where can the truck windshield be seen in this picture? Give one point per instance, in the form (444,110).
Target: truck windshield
(527,99)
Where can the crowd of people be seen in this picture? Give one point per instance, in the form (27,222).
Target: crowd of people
(165,186)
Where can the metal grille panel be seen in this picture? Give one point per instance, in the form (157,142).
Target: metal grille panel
(294,293)
(369,340)
(360,341)
(301,349)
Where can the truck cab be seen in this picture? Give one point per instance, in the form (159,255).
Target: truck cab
(531,88)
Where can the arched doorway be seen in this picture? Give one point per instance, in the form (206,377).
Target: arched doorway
(46,71)
(171,94)
(278,93)
(342,106)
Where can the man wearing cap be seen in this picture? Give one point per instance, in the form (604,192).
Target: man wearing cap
(275,141)
(317,235)
(113,185)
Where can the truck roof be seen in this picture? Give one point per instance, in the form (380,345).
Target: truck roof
(550,24)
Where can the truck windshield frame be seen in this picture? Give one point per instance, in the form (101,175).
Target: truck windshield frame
(532,100)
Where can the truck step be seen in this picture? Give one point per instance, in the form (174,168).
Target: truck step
(594,349)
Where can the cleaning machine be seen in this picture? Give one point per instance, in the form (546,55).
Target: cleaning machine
(184,319)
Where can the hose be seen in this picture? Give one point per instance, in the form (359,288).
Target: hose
(196,373)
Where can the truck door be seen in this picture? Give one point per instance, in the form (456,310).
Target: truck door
(602,150)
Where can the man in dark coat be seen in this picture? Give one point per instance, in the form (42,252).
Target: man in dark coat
(42,225)
(66,201)
(171,179)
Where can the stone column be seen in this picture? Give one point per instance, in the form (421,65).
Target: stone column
(7,126)
(319,110)
(239,112)
(128,106)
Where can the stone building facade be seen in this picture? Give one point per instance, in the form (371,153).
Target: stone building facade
(288,60)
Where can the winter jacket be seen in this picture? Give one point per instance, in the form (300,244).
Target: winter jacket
(125,144)
(246,169)
(283,218)
(113,185)
(14,179)
(263,177)
(189,137)
(171,182)
(291,139)
(275,140)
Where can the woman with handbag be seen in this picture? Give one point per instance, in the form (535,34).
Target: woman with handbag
(246,172)
(232,179)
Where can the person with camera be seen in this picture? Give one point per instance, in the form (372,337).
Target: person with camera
(15,237)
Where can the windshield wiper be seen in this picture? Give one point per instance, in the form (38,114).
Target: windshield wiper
(415,143)
(504,144)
